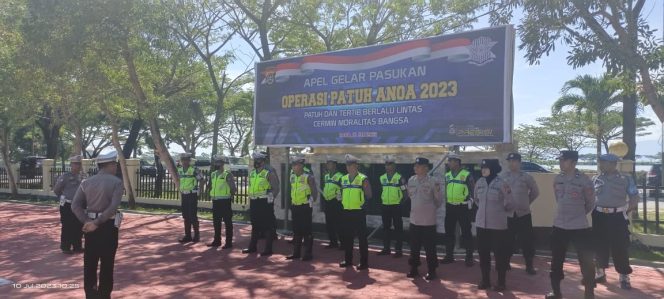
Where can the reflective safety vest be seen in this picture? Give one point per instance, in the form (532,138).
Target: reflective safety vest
(300,190)
(220,187)
(332,186)
(352,193)
(259,185)
(457,189)
(188,180)
(392,193)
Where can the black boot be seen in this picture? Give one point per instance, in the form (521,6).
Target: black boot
(529,267)
(431,275)
(413,273)
(308,248)
(469,259)
(252,243)
(297,248)
(229,241)
(386,244)
(555,290)
(187,233)
(269,238)
(215,243)
(197,235)
(398,252)
(500,286)
(485,283)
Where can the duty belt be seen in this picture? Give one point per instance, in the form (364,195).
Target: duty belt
(189,192)
(219,198)
(94,215)
(258,197)
(459,203)
(611,210)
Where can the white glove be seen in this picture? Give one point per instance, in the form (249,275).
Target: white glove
(311,201)
(339,197)
(470,203)
(270,198)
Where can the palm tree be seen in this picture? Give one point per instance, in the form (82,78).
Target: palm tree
(596,98)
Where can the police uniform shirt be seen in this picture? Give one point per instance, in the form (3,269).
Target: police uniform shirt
(612,190)
(493,204)
(67,185)
(230,180)
(101,193)
(575,196)
(524,191)
(272,179)
(423,199)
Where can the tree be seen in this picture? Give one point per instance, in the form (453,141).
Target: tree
(565,131)
(237,129)
(597,97)
(613,32)
(612,127)
(533,143)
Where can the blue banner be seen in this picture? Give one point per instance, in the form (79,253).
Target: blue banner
(445,90)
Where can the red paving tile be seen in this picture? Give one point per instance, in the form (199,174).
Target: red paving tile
(150,264)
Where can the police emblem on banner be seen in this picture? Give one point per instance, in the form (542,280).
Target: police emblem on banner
(269,74)
(480,51)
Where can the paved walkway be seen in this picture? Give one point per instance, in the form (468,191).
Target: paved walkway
(151,264)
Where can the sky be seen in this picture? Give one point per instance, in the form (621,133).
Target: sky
(535,87)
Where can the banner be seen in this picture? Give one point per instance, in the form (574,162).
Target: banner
(445,90)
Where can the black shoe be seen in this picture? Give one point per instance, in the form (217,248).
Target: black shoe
(195,239)
(509,267)
(345,264)
(307,258)
(413,273)
(332,245)
(185,239)
(67,251)
(589,294)
(430,276)
(483,285)
(227,245)
(470,262)
(79,250)
(498,288)
(362,266)
(214,244)
(601,279)
(553,295)
(248,250)
(531,270)
(266,253)
(292,257)
(384,252)
(398,254)
(447,260)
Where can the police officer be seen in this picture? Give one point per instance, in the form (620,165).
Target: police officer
(494,200)
(96,205)
(610,221)
(65,189)
(332,202)
(190,180)
(391,196)
(519,221)
(303,193)
(355,191)
(263,188)
(459,188)
(426,197)
(222,192)
(576,198)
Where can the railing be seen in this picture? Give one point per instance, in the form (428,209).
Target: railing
(4,178)
(57,172)
(649,214)
(30,180)
(159,184)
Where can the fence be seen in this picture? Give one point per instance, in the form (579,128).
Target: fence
(649,213)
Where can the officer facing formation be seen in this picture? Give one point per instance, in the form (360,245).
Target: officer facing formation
(426,197)
(222,192)
(303,194)
(96,205)
(519,221)
(391,196)
(610,221)
(355,191)
(459,188)
(65,188)
(190,180)
(576,198)
(494,200)
(263,188)
(332,203)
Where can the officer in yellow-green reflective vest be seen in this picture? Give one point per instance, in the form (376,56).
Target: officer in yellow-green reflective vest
(222,191)
(355,192)
(392,195)
(190,180)
(303,193)
(459,185)
(263,189)
(332,203)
